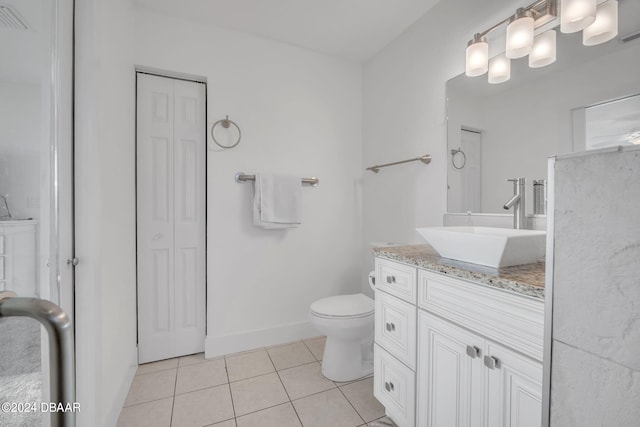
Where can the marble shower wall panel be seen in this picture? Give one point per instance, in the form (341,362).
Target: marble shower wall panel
(576,402)
(596,300)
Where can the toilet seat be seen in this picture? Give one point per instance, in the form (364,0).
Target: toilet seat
(343,306)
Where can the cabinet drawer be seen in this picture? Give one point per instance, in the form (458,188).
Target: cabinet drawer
(394,387)
(395,328)
(506,317)
(396,279)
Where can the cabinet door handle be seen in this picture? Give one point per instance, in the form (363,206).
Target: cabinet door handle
(473,351)
(388,386)
(390,327)
(492,362)
(391,279)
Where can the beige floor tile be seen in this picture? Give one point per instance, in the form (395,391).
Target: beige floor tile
(382,422)
(151,414)
(201,375)
(153,386)
(193,359)
(316,346)
(228,423)
(162,365)
(290,355)
(343,383)
(304,380)
(257,393)
(278,416)
(202,407)
(360,395)
(249,365)
(327,409)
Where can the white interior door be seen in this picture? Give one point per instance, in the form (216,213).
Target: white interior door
(171,217)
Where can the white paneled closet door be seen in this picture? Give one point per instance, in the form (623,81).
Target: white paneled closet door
(171,150)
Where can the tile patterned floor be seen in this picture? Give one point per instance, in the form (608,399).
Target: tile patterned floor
(276,386)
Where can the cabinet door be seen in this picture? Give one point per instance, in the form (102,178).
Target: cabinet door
(514,388)
(450,375)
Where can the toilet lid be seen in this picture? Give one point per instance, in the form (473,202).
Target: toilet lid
(344,306)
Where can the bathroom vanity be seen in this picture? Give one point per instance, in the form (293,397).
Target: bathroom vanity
(18,257)
(457,344)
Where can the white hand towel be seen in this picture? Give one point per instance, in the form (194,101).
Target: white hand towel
(276,201)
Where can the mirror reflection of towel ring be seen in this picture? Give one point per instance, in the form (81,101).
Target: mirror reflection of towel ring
(225,123)
(453,158)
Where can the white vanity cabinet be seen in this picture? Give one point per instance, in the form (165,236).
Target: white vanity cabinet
(478,358)
(18,257)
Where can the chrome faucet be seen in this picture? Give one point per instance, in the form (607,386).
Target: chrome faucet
(518,203)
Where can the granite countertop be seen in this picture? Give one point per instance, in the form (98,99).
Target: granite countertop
(527,279)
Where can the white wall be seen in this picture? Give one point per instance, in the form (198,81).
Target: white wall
(105,209)
(404,116)
(300,113)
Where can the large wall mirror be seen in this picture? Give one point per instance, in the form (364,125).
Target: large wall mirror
(586,99)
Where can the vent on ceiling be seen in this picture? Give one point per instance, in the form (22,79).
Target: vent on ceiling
(11,18)
(630,37)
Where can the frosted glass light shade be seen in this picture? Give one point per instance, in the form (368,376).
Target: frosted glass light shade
(544,50)
(519,37)
(499,69)
(605,27)
(576,15)
(477,57)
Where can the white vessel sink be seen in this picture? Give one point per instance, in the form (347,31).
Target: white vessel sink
(489,246)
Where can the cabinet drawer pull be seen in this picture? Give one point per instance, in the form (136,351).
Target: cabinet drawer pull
(390,327)
(388,386)
(491,362)
(391,279)
(473,351)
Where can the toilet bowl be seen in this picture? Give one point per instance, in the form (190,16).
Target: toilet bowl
(347,321)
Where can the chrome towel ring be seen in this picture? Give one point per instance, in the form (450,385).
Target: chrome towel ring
(453,158)
(225,123)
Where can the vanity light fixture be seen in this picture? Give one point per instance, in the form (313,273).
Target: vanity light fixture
(499,69)
(605,26)
(544,50)
(477,56)
(519,34)
(576,15)
(599,22)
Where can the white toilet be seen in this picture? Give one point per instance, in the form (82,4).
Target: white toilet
(347,321)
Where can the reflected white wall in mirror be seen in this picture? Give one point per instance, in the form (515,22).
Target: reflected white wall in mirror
(529,118)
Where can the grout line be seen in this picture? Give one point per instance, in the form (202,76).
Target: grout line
(233,406)
(351,404)
(173,400)
(285,390)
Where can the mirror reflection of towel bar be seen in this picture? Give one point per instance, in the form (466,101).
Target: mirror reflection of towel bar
(242,177)
(426,159)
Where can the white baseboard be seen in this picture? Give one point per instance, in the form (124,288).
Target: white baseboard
(243,341)
(113,414)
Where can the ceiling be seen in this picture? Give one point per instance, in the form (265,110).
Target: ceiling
(351,29)
(25,53)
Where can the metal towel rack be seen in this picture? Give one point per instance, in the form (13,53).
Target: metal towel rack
(426,159)
(61,364)
(242,177)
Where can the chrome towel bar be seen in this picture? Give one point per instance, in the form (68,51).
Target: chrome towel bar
(61,356)
(426,159)
(242,177)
